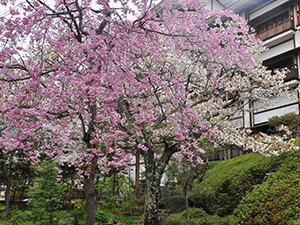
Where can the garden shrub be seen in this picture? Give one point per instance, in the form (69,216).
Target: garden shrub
(276,201)
(102,216)
(30,217)
(225,184)
(178,219)
(195,213)
(124,219)
(106,217)
(173,220)
(20,217)
(290,119)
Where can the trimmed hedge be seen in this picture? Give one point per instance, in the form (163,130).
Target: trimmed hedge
(277,201)
(226,184)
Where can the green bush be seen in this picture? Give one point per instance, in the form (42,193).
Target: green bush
(123,218)
(195,213)
(102,217)
(225,184)
(276,201)
(180,221)
(29,217)
(290,119)
(176,219)
(106,217)
(2,207)
(20,217)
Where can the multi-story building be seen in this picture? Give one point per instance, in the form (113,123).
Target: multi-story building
(277,24)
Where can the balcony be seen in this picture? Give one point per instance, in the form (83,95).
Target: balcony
(292,74)
(274,29)
(298,13)
(275,23)
(288,63)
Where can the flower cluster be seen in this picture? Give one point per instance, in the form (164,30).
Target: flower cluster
(93,87)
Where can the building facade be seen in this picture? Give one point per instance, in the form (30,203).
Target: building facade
(277,24)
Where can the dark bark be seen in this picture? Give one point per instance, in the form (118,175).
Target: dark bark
(22,193)
(90,194)
(152,190)
(188,218)
(8,185)
(7,196)
(137,175)
(185,192)
(114,182)
(89,181)
(14,195)
(151,204)
(154,171)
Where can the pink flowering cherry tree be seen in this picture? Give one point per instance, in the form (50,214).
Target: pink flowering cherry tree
(82,82)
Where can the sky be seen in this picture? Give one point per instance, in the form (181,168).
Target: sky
(5,9)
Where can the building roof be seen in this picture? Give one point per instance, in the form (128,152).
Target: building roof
(227,3)
(239,6)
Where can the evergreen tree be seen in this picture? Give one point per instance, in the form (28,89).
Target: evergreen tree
(45,195)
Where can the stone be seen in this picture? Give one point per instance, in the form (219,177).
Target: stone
(175,204)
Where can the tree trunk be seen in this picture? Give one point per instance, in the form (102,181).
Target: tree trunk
(137,176)
(14,195)
(114,183)
(152,190)
(7,196)
(90,194)
(8,185)
(185,191)
(22,194)
(151,204)
(89,181)
(187,206)
(154,171)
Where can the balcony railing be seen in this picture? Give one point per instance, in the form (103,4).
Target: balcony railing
(274,29)
(292,75)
